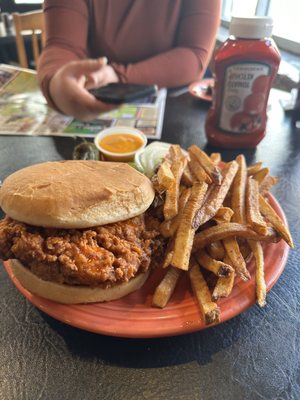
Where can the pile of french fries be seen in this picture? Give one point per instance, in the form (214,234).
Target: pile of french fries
(215,215)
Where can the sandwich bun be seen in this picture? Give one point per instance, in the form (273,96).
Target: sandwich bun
(75,194)
(68,294)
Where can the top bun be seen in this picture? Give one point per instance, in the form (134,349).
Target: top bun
(75,194)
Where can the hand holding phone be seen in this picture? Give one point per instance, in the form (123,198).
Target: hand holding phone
(118,93)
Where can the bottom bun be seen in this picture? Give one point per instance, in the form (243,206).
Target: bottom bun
(68,294)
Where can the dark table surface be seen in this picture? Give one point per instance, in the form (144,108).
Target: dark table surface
(253,356)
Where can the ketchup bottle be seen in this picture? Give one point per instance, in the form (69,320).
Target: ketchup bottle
(244,68)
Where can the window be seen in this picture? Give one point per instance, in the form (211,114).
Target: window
(286,30)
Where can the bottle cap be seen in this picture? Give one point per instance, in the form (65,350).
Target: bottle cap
(251,28)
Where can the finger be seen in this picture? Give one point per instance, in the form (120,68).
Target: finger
(94,80)
(86,67)
(103,60)
(85,106)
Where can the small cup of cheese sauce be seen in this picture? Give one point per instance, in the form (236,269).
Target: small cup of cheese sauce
(120,143)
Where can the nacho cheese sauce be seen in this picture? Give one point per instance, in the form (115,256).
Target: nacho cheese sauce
(121,143)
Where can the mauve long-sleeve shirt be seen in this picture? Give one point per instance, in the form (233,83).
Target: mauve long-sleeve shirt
(162,42)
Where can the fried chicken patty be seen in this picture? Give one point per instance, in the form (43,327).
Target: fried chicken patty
(101,255)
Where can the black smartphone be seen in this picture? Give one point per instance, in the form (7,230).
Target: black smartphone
(118,93)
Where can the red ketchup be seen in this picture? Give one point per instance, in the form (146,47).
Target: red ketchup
(244,68)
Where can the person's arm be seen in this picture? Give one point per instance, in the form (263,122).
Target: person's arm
(64,72)
(188,60)
(66,25)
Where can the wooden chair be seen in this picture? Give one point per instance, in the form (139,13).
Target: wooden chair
(29,23)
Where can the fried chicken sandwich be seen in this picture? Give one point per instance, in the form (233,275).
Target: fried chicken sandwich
(78,231)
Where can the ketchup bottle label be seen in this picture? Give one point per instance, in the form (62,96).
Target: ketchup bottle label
(245,96)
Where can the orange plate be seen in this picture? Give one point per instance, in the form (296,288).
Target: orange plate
(198,89)
(133,317)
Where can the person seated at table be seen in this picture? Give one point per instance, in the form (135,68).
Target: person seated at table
(162,42)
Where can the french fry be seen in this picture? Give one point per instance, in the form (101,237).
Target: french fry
(227,259)
(182,188)
(187,177)
(219,268)
(185,232)
(168,228)
(166,288)
(169,253)
(165,176)
(234,217)
(215,158)
(216,250)
(197,170)
(270,214)
(224,214)
(245,249)
(175,152)
(178,162)
(216,196)
(238,191)
(229,229)
(224,285)
(254,218)
(261,290)
(209,309)
(168,258)
(260,175)
(170,206)
(231,245)
(252,169)
(212,170)
(268,182)
(227,200)
(236,258)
